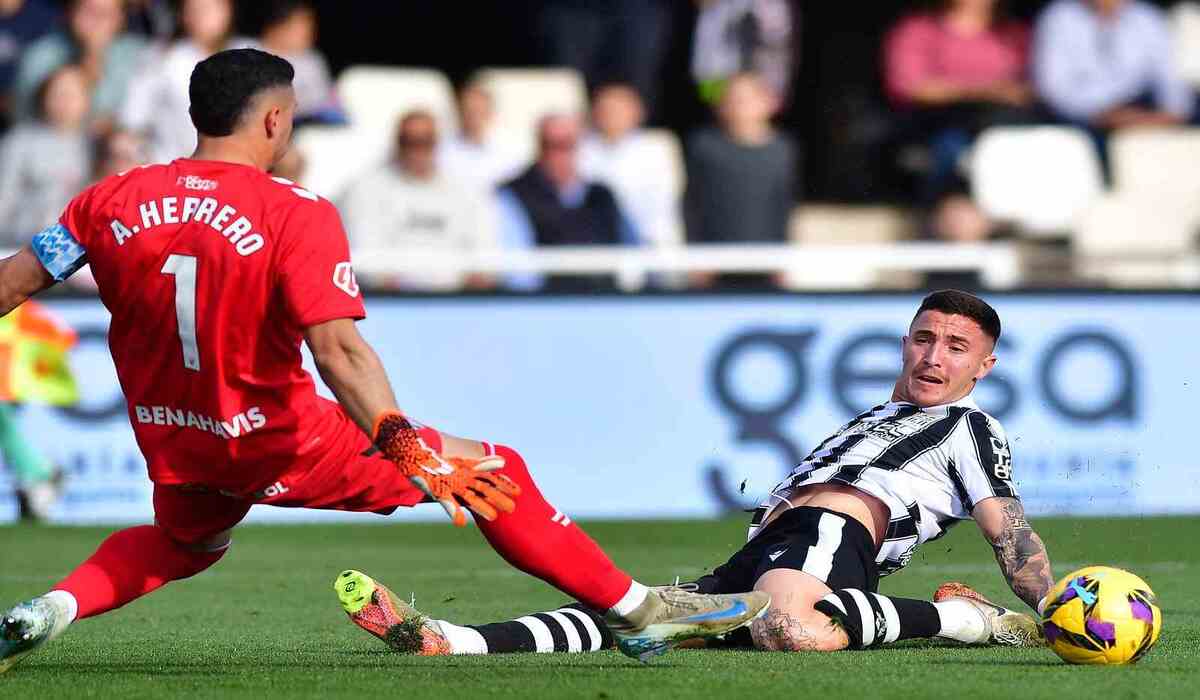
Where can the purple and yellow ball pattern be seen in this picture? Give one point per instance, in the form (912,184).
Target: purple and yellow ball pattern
(1101,615)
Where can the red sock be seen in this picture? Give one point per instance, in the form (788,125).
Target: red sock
(128,565)
(543,542)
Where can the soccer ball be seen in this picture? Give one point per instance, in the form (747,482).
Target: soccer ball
(1101,615)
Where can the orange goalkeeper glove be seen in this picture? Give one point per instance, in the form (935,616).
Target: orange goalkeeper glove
(447,480)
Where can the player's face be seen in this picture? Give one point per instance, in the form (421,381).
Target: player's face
(944,355)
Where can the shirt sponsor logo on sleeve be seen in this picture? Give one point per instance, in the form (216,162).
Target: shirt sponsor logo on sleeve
(343,278)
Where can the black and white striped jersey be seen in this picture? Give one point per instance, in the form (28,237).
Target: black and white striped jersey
(929,465)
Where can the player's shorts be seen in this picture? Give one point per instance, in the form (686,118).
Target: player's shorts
(831,546)
(352,476)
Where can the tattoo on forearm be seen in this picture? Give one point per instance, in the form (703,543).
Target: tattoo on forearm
(779,631)
(1022,555)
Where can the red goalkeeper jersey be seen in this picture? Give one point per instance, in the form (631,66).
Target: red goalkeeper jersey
(211,272)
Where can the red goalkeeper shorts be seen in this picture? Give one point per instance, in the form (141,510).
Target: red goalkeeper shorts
(352,475)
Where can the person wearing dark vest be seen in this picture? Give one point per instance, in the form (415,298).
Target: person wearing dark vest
(550,204)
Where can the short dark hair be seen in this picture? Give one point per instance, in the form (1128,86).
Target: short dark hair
(224,84)
(953,301)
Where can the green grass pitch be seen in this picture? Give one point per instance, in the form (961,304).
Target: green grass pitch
(265,623)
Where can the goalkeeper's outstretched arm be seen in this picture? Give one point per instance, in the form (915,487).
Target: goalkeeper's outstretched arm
(1019,551)
(21,276)
(352,371)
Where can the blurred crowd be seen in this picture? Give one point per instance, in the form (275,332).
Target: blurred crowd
(966,65)
(93,87)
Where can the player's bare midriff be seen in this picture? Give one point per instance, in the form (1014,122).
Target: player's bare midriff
(860,505)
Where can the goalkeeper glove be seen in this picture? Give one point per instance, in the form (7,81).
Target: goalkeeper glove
(447,480)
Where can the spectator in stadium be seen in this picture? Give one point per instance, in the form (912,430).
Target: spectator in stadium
(611,41)
(156,19)
(407,205)
(94,38)
(741,176)
(157,105)
(744,36)
(1108,64)
(116,152)
(290,30)
(21,22)
(476,155)
(552,204)
(952,73)
(957,219)
(291,166)
(617,153)
(45,161)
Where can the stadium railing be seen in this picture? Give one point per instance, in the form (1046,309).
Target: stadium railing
(806,267)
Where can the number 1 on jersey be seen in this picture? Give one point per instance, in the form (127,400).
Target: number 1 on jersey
(183,268)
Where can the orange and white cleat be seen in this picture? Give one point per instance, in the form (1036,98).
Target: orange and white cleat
(377,610)
(1002,626)
(954,589)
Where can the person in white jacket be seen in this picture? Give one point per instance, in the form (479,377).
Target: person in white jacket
(157,103)
(620,154)
(407,204)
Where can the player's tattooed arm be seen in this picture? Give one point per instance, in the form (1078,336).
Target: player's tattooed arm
(1019,551)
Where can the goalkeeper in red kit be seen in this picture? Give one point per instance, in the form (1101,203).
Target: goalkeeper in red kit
(214,272)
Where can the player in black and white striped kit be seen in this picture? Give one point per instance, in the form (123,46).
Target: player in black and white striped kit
(857,508)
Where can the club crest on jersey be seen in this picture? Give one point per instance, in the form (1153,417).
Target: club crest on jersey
(344,279)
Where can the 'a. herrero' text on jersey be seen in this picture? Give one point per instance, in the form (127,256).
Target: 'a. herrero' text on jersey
(929,465)
(173,210)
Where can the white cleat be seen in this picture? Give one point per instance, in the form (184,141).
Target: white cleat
(998,625)
(27,626)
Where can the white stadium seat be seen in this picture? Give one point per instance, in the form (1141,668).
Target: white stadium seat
(842,224)
(1136,239)
(1164,162)
(1137,225)
(376,96)
(333,155)
(1185,30)
(1146,234)
(1041,178)
(524,95)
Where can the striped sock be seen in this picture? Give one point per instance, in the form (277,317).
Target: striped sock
(871,619)
(573,628)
